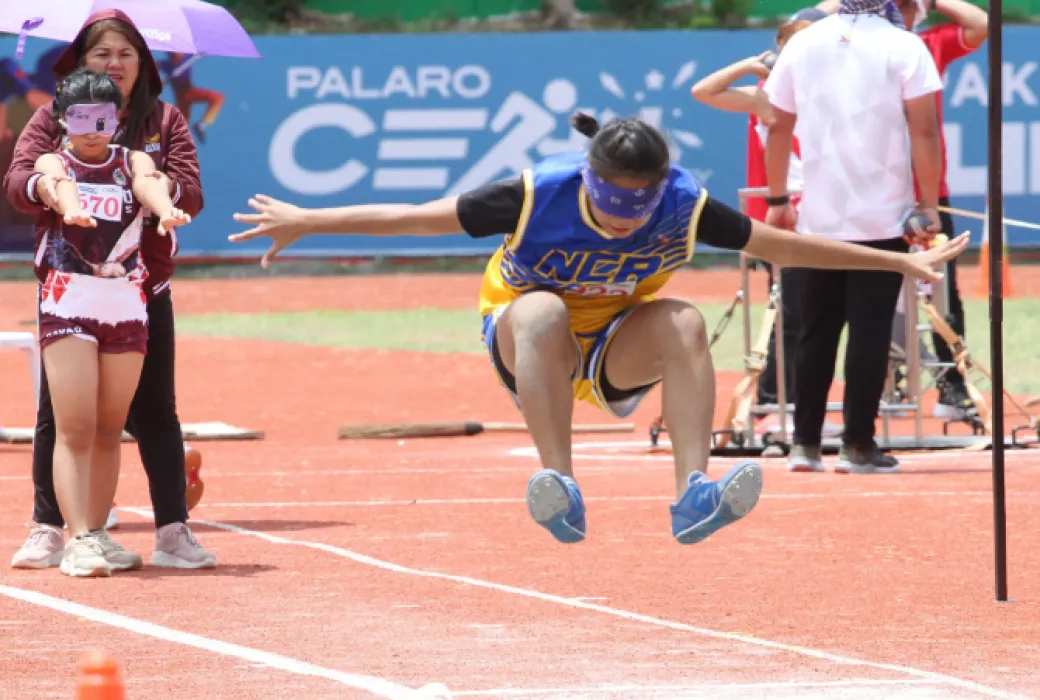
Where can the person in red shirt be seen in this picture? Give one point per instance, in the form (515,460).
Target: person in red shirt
(946,42)
(716,90)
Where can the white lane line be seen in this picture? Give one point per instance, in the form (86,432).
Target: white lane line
(592,607)
(591,499)
(705,688)
(630,450)
(377,686)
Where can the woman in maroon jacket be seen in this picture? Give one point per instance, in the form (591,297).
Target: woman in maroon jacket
(110,43)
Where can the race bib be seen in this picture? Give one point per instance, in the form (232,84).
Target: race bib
(102,201)
(592,289)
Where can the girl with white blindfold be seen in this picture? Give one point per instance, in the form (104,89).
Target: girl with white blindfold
(93,325)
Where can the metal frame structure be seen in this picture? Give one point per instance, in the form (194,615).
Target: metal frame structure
(746,442)
(914,365)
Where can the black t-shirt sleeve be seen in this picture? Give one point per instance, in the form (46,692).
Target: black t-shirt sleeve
(492,209)
(723,227)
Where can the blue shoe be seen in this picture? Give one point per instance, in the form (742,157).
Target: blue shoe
(555,503)
(708,506)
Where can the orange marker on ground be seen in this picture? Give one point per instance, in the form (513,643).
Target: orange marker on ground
(99,678)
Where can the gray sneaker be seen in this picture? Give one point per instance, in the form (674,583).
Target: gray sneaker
(805,458)
(84,557)
(43,549)
(865,460)
(118,559)
(177,548)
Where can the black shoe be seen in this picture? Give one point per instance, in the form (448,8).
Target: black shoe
(954,402)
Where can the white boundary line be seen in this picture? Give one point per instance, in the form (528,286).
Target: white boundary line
(603,609)
(621,450)
(516,500)
(705,687)
(377,686)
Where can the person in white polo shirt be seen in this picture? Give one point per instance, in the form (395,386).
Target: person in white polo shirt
(860,92)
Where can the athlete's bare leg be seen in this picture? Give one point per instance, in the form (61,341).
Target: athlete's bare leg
(667,340)
(535,342)
(118,376)
(72,370)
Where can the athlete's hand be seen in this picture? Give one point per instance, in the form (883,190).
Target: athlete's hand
(47,189)
(79,218)
(783,216)
(174,218)
(279,220)
(926,265)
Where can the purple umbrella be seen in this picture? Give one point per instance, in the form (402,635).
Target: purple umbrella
(180,26)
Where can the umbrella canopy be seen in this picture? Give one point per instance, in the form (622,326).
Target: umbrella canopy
(180,26)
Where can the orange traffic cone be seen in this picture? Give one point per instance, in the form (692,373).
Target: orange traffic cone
(1005,263)
(99,678)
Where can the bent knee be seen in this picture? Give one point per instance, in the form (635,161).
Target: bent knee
(538,321)
(679,325)
(539,317)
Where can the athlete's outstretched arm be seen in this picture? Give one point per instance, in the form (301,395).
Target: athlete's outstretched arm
(789,249)
(715,90)
(286,223)
(66,202)
(154,194)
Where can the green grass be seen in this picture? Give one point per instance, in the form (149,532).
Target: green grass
(438,330)
(419,330)
(1021,340)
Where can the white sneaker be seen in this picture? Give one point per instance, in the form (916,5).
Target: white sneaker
(118,558)
(113,522)
(85,557)
(177,548)
(43,549)
(805,458)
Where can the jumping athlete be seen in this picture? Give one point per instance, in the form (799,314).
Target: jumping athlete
(568,300)
(92,319)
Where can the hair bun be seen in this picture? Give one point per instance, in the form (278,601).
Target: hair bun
(584,124)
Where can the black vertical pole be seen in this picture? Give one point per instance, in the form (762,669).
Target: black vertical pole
(996,289)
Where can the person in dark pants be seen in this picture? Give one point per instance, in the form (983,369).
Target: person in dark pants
(828,300)
(857,84)
(717,90)
(110,43)
(947,42)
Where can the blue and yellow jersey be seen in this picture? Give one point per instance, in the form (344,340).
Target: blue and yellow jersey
(557,246)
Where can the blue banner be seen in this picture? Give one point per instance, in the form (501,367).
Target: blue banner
(333,121)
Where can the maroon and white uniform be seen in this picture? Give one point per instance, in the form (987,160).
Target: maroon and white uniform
(91,278)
